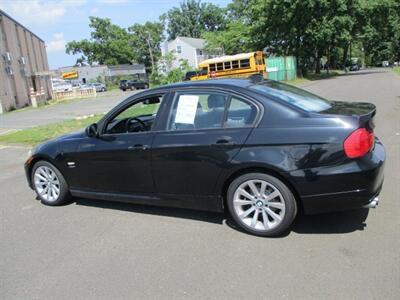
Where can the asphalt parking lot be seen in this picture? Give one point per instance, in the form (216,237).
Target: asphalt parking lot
(92,249)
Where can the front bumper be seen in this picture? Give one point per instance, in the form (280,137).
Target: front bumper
(350,186)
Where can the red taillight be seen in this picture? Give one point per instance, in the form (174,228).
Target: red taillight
(359,143)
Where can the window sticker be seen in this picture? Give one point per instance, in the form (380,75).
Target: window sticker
(187,107)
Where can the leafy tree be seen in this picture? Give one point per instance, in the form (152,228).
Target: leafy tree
(109,44)
(235,39)
(145,40)
(192,18)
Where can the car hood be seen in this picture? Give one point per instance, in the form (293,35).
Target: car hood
(72,135)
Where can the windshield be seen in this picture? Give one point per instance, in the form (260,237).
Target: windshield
(290,94)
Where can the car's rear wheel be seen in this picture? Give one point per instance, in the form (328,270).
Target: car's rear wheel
(49,184)
(261,204)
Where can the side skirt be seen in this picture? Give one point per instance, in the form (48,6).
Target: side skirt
(206,203)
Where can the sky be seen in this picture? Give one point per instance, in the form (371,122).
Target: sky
(58,22)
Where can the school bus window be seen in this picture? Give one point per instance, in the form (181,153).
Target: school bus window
(235,64)
(227,65)
(212,67)
(220,67)
(245,63)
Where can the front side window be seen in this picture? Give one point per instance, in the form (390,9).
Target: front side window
(136,118)
(192,111)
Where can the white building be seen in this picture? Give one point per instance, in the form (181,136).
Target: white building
(87,74)
(187,48)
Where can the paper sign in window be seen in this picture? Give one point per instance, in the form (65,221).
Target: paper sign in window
(187,107)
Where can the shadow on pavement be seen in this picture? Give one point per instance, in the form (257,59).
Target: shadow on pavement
(339,222)
(182,213)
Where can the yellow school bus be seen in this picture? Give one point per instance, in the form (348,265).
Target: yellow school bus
(239,65)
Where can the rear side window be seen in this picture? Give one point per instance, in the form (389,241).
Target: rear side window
(240,113)
(192,111)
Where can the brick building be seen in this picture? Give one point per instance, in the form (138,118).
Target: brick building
(23,65)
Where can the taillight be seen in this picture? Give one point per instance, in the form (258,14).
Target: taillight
(359,143)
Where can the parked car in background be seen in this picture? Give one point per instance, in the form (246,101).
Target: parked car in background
(134,84)
(260,149)
(99,87)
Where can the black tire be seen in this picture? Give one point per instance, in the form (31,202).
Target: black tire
(64,194)
(288,199)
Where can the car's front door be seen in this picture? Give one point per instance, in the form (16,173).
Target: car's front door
(119,159)
(204,131)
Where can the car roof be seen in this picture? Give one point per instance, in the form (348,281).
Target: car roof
(225,82)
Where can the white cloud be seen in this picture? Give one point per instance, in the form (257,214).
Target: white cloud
(57,43)
(112,2)
(38,11)
(94,11)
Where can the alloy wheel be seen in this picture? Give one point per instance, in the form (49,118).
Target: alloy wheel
(259,205)
(47,183)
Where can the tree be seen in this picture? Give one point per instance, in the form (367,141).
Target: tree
(380,30)
(145,41)
(235,39)
(192,18)
(109,44)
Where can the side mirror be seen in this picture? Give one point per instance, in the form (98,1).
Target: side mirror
(91,130)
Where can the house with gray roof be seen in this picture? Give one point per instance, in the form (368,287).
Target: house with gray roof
(191,49)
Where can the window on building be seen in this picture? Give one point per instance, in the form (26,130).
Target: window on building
(178,49)
(200,52)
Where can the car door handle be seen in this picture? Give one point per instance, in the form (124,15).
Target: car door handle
(224,141)
(138,147)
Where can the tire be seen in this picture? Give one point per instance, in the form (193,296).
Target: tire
(261,215)
(41,172)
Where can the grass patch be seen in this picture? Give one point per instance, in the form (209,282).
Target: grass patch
(397,70)
(39,134)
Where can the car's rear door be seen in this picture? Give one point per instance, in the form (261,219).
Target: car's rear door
(202,135)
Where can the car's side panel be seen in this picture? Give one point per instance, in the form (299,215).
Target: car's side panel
(189,162)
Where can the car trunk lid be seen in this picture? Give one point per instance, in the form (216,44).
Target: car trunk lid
(363,111)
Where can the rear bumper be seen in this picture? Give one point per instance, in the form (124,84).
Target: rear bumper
(350,186)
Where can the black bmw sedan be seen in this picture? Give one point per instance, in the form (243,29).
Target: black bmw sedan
(261,149)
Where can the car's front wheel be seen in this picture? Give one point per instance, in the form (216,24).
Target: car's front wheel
(49,184)
(261,204)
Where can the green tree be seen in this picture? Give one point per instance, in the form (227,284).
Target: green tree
(192,18)
(234,39)
(145,41)
(109,44)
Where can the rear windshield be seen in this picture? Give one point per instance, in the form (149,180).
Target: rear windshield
(290,94)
